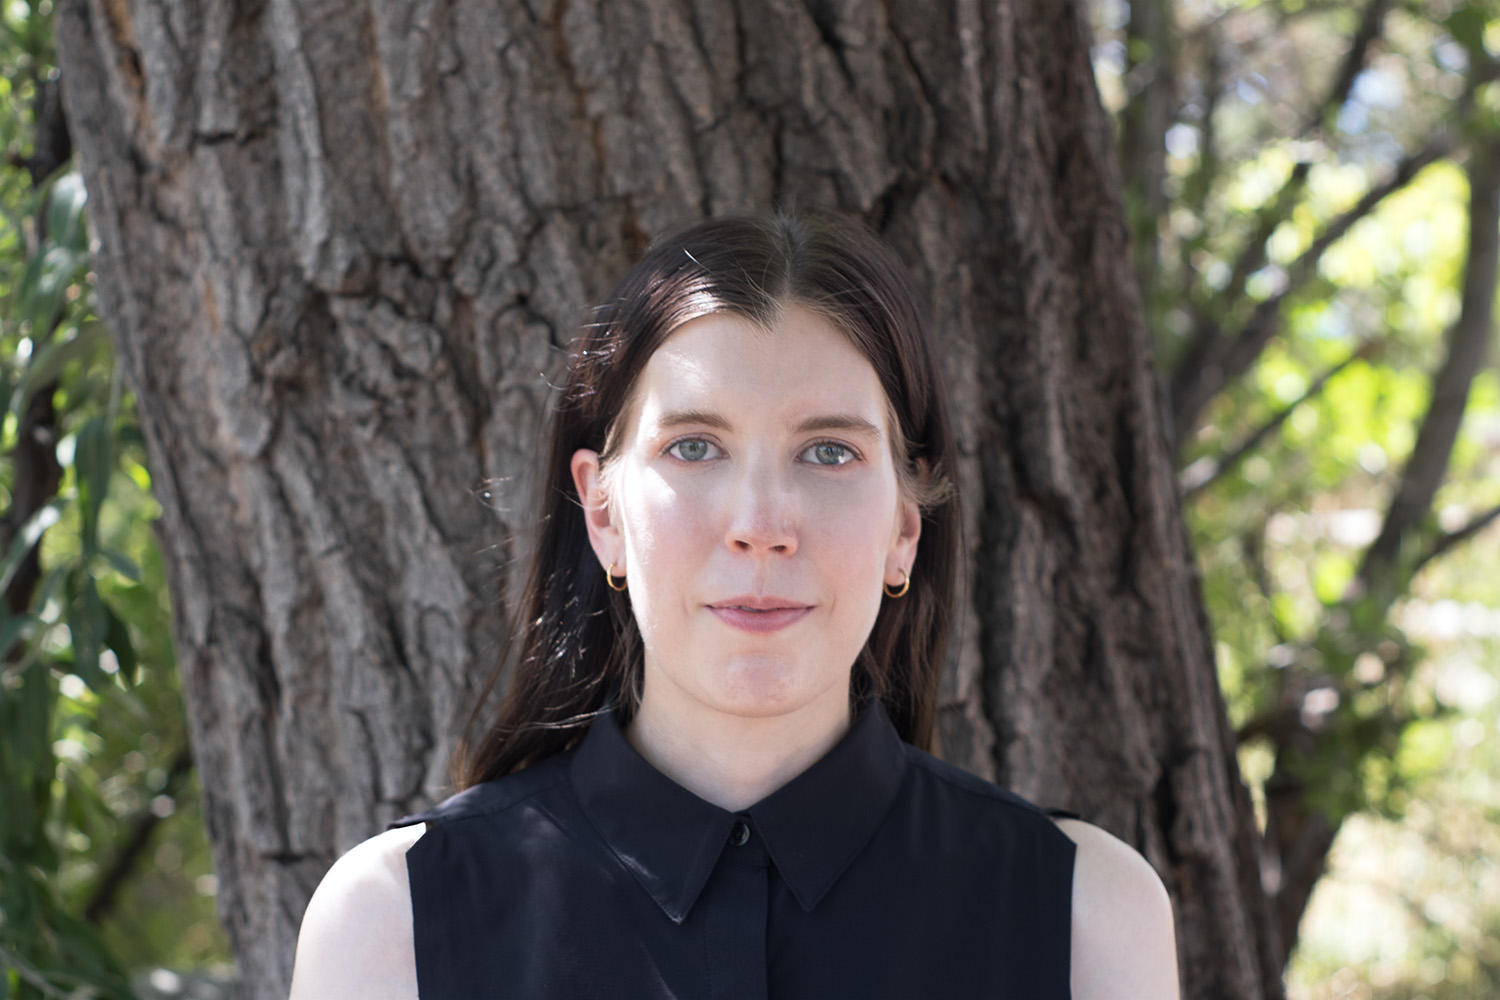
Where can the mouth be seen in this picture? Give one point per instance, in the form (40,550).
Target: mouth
(760,615)
(747,602)
(746,607)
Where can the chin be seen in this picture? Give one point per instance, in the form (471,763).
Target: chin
(758,687)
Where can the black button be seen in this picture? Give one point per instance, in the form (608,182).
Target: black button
(739,834)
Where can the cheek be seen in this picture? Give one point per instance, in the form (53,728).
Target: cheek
(664,524)
(859,523)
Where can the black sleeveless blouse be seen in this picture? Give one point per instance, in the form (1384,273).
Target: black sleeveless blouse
(878,872)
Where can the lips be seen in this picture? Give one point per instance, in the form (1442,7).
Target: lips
(764,603)
(760,614)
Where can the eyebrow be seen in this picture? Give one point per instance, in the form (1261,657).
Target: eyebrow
(821,422)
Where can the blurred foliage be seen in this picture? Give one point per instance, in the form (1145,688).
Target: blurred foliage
(1409,908)
(103,859)
(1289,470)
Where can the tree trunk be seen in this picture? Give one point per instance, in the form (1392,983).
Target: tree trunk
(342,244)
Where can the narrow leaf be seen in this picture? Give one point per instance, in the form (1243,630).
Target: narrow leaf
(30,534)
(117,637)
(91,462)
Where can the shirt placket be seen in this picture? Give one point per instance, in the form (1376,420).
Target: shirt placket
(737,898)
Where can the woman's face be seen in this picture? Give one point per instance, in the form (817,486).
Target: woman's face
(755,514)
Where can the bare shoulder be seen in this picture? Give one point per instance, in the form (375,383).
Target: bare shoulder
(1124,944)
(356,937)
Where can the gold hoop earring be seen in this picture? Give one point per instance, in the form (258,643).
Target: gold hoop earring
(611,580)
(905,583)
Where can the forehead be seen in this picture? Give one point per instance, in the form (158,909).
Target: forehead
(799,365)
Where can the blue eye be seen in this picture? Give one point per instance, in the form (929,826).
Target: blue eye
(830,453)
(689,449)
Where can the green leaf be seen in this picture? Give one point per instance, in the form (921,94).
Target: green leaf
(52,583)
(59,262)
(91,463)
(88,620)
(11,627)
(122,564)
(30,534)
(117,637)
(7,389)
(65,220)
(27,292)
(1466,25)
(47,363)
(29,724)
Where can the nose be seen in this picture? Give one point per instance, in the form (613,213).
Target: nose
(762,515)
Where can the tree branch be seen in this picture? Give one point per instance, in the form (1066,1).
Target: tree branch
(107,890)
(1219,360)
(1200,182)
(1454,538)
(1371,27)
(1193,483)
(1144,123)
(1284,18)
(1252,255)
(1468,341)
(52,143)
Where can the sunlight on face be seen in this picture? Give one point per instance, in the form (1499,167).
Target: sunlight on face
(757,514)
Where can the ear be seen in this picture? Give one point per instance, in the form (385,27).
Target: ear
(903,551)
(604,534)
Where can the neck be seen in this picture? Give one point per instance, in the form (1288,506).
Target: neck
(730,760)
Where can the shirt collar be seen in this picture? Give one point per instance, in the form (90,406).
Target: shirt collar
(670,839)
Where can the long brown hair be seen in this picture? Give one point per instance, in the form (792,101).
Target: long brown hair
(575,645)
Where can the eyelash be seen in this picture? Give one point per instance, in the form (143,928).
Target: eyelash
(854,456)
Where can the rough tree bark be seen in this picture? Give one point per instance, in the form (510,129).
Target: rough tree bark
(341,241)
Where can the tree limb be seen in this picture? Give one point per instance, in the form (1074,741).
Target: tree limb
(1458,537)
(1193,484)
(1200,377)
(1468,342)
(1252,256)
(1144,123)
(52,144)
(107,890)
(1284,18)
(1371,27)
(1200,181)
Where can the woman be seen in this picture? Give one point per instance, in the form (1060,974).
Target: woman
(707,778)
